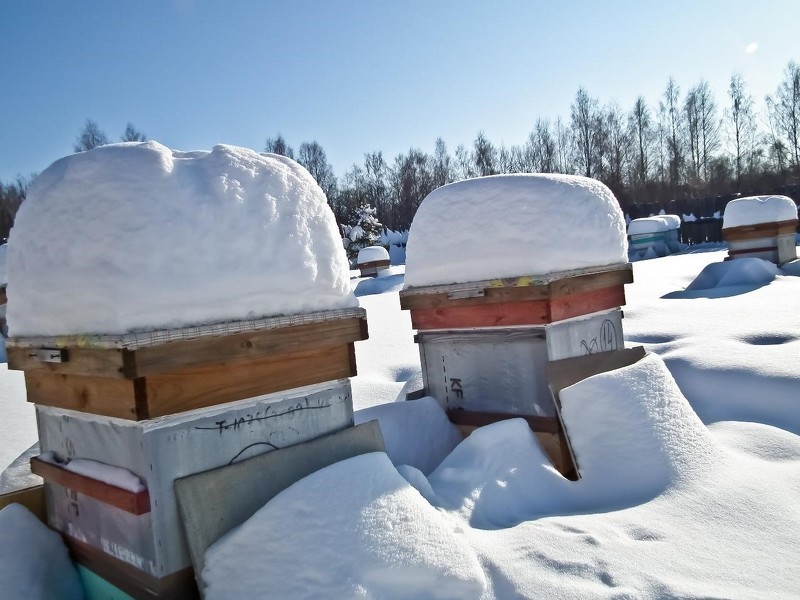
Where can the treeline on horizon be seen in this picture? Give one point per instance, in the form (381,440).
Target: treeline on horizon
(687,144)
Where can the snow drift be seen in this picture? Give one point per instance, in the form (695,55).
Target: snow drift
(354,529)
(34,562)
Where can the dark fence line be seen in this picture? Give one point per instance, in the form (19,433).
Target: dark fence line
(700,231)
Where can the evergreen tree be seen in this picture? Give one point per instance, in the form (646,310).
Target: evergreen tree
(365,231)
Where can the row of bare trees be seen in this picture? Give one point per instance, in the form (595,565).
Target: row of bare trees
(684,145)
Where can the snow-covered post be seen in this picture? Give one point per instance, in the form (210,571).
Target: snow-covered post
(495,301)
(761,227)
(173,312)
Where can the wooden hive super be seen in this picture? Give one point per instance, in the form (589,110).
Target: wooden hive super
(167,404)
(775,242)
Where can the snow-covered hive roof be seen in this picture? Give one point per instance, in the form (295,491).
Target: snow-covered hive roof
(655,224)
(514,225)
(755,210)
(137,236)
(372,254)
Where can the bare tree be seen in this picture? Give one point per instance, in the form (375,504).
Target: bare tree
(11,198)
(617,144)
(313,158)
(784,112)
(278,145)
(464,168)
(90,137)
(132,135)
(442,165)
(709,127)
(692,121)
(670,111)
(741,127)
(485,156)
(640,129)
(586,127)
(564,148)
(412,179)
(540,151)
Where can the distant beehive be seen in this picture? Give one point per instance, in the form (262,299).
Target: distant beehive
(761,227)
(372,260)
(658,235)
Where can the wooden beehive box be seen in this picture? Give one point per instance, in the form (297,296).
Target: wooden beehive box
(775,242)
(167,404)
(526,301)
(485,346)
(143,376)
(117,533)
(372,268)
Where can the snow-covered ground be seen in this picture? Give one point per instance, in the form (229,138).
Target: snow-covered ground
(690,464)
(689,459)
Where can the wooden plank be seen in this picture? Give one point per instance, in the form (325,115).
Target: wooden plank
(170,356)
(97,395)
(31,498)
(524,281)
(136,503)
(575,305)
(213,350)
(471,418)
(139,584)
(193,387)
(761,230)
(591,282)
(80,361)
(567,372)
(209,385)
(214,502)
(374,264)
(532,312)
(732,252)
(554,443)
(490,293)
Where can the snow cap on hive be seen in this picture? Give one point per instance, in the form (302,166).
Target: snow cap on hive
(136,236)
(372,254)
(655,224)
(755,210)
(512,226)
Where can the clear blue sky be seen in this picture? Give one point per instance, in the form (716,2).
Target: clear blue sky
(358,76)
